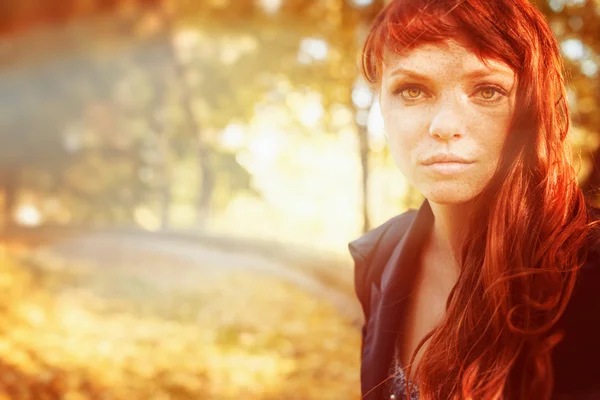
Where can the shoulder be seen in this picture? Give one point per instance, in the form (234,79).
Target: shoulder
(587,286)
(363,248)
(584,304)
(577,357)
(371,250)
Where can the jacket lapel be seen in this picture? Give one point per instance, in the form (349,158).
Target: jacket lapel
(386,304)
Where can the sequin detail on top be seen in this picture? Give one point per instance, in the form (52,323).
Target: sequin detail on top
(396,387)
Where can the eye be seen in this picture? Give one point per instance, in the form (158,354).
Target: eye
(410,93)
(491,93)
(488,93)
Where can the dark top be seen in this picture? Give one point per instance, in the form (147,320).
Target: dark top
(396,387)
(383,258)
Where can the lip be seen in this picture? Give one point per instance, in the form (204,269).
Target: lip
(449,168)
(446,158)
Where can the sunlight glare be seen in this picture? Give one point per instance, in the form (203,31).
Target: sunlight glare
(573,49)
(341,116)
(589,68)
(362,3)
(362,96)
(557,5)
(270,6)
(265,146)
(28,215)
(306,106)
(312,49)
(376,128)
(233,137)
(311,113)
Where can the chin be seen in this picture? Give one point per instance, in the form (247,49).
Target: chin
(448,194)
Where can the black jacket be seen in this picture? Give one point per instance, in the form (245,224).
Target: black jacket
(383,258)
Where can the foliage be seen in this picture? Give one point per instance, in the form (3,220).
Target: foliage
(71,331)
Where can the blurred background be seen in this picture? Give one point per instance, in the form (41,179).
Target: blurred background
(178,184)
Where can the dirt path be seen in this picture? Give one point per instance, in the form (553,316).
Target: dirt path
(170,265)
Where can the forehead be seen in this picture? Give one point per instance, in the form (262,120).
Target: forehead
(433,58)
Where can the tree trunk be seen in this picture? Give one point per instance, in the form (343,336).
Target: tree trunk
(9,183)
(193,126)
(165,184)
(363,139)
(206,183)
(156,117)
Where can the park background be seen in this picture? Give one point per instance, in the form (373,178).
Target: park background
(178,184)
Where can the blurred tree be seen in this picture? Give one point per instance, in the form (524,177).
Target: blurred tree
(27,141)
(194,67)
(576,25)
(312,45)
(87,81)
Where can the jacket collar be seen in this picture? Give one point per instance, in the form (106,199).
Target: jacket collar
(386,303)
(401,264)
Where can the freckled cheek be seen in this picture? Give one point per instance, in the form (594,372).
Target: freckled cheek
(404,133)
(492,136)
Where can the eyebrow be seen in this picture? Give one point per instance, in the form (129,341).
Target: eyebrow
(474,74)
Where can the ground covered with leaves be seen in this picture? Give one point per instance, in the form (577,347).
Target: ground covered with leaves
(71,331)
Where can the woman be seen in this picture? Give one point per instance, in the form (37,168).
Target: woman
(491,290)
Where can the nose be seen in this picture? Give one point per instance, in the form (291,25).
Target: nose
(447,122)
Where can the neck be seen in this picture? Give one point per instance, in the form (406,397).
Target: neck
(448,233)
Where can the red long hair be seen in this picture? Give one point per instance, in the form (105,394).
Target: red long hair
(530,229)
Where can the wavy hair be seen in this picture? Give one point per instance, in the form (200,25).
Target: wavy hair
(518,268)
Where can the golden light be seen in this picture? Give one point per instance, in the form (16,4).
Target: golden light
(376,129)
(146,218)
(307,107)
(270,6)
(312,49)
(233,137)
(28,215)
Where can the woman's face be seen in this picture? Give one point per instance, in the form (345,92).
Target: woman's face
(441,99)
